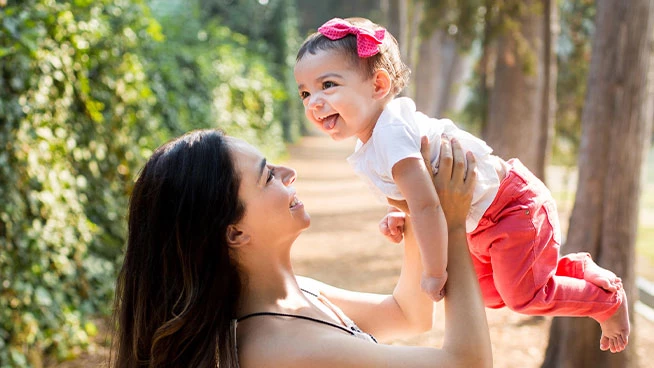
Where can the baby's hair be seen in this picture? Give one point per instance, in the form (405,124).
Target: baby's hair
(388,57)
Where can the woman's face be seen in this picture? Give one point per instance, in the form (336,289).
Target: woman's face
(272,210)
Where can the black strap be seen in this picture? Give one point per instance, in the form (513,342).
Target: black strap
(294,316)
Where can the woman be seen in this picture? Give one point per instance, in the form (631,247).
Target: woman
(207,278)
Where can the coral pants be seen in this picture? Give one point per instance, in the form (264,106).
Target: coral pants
(515,251)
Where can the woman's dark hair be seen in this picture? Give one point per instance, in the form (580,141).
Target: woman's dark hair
(178,288)
(388,58)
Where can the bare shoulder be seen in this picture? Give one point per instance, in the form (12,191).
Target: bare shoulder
(271,341)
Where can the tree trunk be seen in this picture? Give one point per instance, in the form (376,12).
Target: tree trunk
(401,25)
(514,120)
(548,110)
(451,74)
(616,126)
(427,75)
(439,71)
(484,68)
(392,10)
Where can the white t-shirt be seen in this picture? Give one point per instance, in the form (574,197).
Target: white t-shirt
(396,136)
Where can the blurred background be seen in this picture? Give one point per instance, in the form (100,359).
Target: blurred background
(89,88)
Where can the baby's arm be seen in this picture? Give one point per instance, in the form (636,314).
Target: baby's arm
(414,181)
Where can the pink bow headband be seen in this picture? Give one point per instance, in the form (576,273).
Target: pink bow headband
(367,41)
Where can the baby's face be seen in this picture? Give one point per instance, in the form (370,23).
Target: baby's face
(337,98)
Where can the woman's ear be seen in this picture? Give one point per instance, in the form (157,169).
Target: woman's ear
(382,84)
(236,237)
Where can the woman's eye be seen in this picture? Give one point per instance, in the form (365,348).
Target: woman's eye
(271,175)
(328,84)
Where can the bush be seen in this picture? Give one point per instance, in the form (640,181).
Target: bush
(87,91)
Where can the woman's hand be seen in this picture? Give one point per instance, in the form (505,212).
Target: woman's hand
(454,181)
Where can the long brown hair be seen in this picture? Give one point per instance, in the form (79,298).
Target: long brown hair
(178,287)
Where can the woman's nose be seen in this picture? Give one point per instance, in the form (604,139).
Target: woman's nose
(288,175)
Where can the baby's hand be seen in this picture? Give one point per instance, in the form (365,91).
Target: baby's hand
(434,286)
(392,226)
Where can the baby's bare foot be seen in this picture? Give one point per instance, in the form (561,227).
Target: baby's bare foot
(601,277)
(615,330)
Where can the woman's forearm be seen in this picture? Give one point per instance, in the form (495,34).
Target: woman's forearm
(407,312)
(415,306)
(466,328)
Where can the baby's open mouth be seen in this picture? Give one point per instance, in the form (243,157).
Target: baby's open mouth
(328,122)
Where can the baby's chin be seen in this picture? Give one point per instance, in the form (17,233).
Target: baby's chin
(336,136)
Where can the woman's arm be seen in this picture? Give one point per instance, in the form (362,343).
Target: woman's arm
(466,328)
(407,312)
(466,342)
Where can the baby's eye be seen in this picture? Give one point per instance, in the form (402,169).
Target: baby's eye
(304,95)
(328,84)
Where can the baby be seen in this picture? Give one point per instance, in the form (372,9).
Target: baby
(349,74)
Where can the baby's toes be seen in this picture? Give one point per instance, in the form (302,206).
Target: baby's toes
(622,343)
(604,343)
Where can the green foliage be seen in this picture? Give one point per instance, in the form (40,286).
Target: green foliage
(476,25)
(312,14)
(87,90)
(577,25)
(214,77)
(461,19)
(73,97)
(271,27)
(471,21)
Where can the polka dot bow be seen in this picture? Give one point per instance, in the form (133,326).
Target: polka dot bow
(367,41)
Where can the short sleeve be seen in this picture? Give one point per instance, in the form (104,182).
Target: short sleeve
(395,142)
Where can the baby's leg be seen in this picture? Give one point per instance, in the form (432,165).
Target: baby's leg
(484,270)
(524,259)
(537,293)
(616,328)
(521,236)
(601,277)
(581,266)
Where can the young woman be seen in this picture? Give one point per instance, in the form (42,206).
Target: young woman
(207,278)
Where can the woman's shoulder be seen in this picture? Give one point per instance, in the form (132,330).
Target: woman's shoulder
(281,342)
(266,339)
(289,342)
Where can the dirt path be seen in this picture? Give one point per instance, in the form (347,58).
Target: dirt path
(343,247)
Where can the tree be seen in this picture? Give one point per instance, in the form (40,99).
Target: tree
(521,99)
(616,128)
(573,58)
(312,14)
